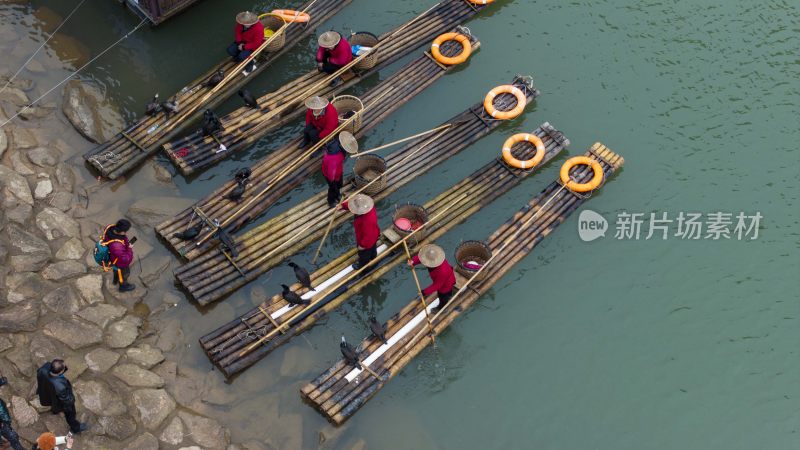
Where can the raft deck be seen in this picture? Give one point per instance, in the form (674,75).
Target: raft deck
(225,345)
(214,274)
(157,12)
(245,126)
(129,148)
(385,98)
(341,390)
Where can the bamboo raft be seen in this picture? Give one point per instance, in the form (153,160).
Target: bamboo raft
(214,274)
(402,86)
(225,345)
(131,147)
(245,126)
(341,390)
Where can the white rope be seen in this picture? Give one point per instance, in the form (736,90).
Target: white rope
(40,47)
(24,108)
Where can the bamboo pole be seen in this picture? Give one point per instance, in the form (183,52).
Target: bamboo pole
(400,141)
(345,280)
(421,295)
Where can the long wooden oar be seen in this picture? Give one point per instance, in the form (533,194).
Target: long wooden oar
(321,295)
(361,189)
(400,141)
(421,294)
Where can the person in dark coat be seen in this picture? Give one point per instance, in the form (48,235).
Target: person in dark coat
(120,251)
(55,390)
(444,279)
(249,35)
(365,225)
(322,119)
(333,164)
(6,431)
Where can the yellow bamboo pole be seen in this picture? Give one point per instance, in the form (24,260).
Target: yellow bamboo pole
(321,295)
(400,141)
(421,295)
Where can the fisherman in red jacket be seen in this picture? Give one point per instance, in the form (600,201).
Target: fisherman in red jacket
(333,53)
(120,251)
(249,34)
(366,227)
(444,279)
(321,120)
(333,164)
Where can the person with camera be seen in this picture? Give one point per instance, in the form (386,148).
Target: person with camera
(49,441)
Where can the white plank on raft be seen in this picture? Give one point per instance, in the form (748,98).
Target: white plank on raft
(394,339)
(322,286)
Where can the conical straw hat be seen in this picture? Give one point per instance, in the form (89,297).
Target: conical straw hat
(329,39)
(349,142)
(246,18)
(360,204)
(431,256)
(316,103)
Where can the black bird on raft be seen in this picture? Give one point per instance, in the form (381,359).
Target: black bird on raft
(215,79)
(292,297)
(242,174)
(350,354)
(190,233)
(154,107)
(378,330)
(170,107)
(211,123)
(248,98)
(302,275)
(227,242)
(238,191)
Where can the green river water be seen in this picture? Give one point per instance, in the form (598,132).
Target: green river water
(611,344)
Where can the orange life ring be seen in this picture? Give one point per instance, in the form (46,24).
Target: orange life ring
(527,164)
(480,2)
(488,102)
(592,184)
(290,15)
(451,60)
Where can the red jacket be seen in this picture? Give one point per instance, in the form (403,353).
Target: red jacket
(340,55)
(121,253)
(366,228)
(333,166)
(443,278)
(252,38)
(326,122)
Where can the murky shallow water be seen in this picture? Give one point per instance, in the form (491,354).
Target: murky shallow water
(610,344)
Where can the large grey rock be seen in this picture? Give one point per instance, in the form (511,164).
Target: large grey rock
(28,252)
(135,376)
(74,334)
(99,398)
(44,349)
(25,286)
(71,250)
(43,189)
(62,201)
(19,317)
(116,427)
(204,431)
(62,300)
(123,333)
(24,413)
(145,441)
(171,336)
(14,186)
(173,433)
(20,214)
(102,314)
(5,343)
(154,267)
(145,356)
(23,138)
(55,224)
(43,157)
(90,287)
(153,406)
(150,211)
(101,360)
(88,111)
(28,263)
(20,166)
(20,358)
(15,96)
(63,269)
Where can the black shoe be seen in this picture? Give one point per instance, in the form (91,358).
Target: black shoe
(84,426)
(332,204)
(356,266)
(114,279)
(126,287)
(337,81)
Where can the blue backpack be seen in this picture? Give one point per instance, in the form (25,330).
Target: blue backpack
(101,254)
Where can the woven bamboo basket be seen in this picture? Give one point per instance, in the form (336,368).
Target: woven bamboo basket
(274,23)
(346,106)
(365,39)
(414,216)
(470,257)
(366,169)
